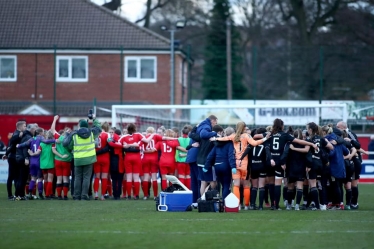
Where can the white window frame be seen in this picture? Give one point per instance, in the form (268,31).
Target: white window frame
(15,68)
(138,79)
(70,69)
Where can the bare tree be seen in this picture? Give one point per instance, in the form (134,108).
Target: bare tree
(311,15)
(150,8)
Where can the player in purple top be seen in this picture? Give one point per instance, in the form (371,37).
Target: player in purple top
(35,171)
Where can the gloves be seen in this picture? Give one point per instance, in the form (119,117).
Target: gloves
(233,171)
(110,139)
(205,170)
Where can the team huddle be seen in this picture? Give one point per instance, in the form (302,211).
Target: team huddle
(316,164)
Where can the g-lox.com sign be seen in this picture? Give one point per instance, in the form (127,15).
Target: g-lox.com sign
(297,114)
(290,115)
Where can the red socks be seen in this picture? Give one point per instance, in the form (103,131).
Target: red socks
(96,185)
(155,188)
(66,190)
(145,188)
(48,191)
(59,189)
(182,180)
(104,183)
(163,184)
(187,182)
(137,188)
(129,188)
(124,188)
(109,187)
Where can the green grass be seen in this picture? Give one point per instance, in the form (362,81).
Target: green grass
(136,224)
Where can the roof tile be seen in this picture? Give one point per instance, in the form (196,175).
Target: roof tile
(70,24)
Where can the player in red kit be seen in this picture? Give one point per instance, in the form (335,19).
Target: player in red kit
(150,160)
(150,163)
(183,168)
(167,159)
(132,143)
(101,167)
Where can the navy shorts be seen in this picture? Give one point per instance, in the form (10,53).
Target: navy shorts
(270,171)
(295,179)
(358,167)
(255,174)
(207,176)
(279,171)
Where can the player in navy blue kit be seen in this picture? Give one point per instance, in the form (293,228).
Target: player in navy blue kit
(315,166)
(258,161)
(295,158)
(278,141)
(357,160)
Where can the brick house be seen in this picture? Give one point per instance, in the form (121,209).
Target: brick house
(57,56)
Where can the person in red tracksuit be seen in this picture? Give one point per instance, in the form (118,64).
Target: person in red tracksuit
(102,165)
(167,159)
(131,143)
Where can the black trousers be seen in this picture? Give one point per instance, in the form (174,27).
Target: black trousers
(23,173)
(117,183)
(12,175)
(72,178)
(90,187)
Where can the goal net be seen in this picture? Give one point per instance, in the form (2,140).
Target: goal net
(259,115)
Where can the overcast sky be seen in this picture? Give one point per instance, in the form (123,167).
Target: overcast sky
(131,9)
(135,9)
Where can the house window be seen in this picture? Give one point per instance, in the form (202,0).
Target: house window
(72,69)
(140,69)
(8,68)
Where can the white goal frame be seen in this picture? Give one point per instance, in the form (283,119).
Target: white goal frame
(115,119)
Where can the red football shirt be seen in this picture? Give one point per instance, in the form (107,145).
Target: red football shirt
(102,143)
(150,146)
(130,139)
(167,149)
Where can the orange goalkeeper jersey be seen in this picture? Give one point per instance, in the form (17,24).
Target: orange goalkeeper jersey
(240,147)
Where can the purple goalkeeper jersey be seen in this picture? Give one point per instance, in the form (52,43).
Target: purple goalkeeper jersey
(34,145)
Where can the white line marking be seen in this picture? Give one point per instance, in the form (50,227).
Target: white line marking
(185,232)
(191,220)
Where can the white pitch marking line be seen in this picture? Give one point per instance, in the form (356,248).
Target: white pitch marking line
(187,232)
(193,220)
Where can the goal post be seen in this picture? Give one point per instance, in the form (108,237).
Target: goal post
(169,116)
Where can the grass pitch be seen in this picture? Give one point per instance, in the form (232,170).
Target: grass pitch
(136,224)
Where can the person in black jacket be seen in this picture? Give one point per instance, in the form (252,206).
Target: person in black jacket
(193,150)
(22,162)
(206,129)
(116,163)
(222,157)
(352,138)
(10,154)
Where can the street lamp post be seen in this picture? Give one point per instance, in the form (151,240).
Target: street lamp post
(172,67)
(178,25)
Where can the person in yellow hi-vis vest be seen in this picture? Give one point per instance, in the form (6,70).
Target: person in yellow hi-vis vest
(82,145)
